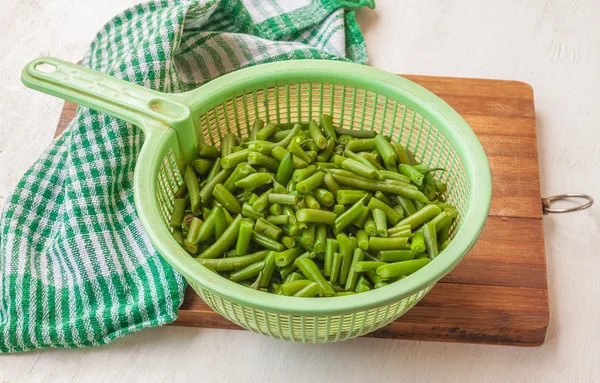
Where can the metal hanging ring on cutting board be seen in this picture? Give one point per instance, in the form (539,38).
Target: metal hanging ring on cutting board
(547,203)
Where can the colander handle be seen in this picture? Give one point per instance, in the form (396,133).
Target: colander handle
(118,98)
(547,203)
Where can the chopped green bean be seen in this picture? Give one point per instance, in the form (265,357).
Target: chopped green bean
(208,151)
(370,228)
(266,242)
(331,247)
(317,216)
(430,237)
(394,243)
(327,126)
(362,240)
(386,150)
(247,272)
(310,290)
(243,240)
(358,256)
(414,175)
(311,202)
(397,269)
(320,239)
(233,263)
(225,241)
(420,217)
(363,266)
(417,244)
(225,198)
(191,180)
(380,222)
(292,287)
(220,221)
(178,213)
(391,215)
(324,197)
(311,271)
(253,181)
(310,183)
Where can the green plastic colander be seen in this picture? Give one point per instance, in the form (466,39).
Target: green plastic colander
(357,97)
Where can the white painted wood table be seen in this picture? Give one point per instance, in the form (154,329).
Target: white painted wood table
(553,45)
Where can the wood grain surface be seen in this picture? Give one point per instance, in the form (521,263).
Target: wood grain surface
(499,293)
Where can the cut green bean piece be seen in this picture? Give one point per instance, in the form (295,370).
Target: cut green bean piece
(243,240)
(326,153)
(266,132)
(331,247)
(429,187)
(311,202)
(390,175)
(336,264)
(386,150)
(268,269)
(286,257)
(280,153)
(391,215)
(288,241)
(181,192)
(248,212)
(283,199)
(285,169)
(360,221)
(310,183)
(355,133)
(235,159)
(214,170)
(191,180)
(358,256)
(293,277)
(309,291)
(347,197)
(380,222)
(401,154)
(362,289)
(260,159)
(241,170)
(247,272)
(220,221)
(207,190)
(225,241)
(362,240)
(316,216)
(281,219)
(233,263)
(208,227)
(275,209)
(407,205)
(225,198)
(414,175)
(370,228)
(256,127)
(202,165)
(266,242)
(317,135)
(360,169)
(261,202)
(397,269)
(339,209)
(294,147)
(420,217)
(178,235)
(178,213)
(364,144)
(324,197)
(311,271)
(292,287)
(346,250)
(253,181)
(228,144)
(394,243)
(308,236)
(327,126)
(208,151)
(430,237)
(364,266)
(302,174)
(262,226)
(418,243)
(387,186)
(349,216)
(320,239)
(192,235)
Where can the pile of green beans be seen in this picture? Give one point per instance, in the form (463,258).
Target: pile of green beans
(311,210)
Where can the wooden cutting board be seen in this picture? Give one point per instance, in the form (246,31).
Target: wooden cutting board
(499,293)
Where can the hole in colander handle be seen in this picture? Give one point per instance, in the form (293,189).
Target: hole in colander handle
(547,203)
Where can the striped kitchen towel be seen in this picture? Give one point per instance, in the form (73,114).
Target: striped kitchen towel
(76,268)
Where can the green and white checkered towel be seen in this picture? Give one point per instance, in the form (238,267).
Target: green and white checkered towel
(76,268)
